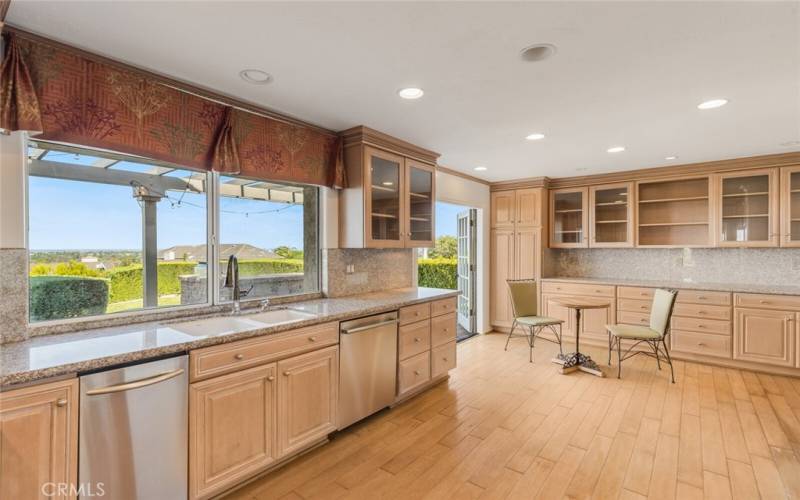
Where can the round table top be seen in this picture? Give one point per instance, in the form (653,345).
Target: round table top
(581,303)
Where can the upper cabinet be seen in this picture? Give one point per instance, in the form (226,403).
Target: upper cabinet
(674,212)
(611,215)
(517,208)
(389,201)
(790,206)
(747,208)
(569,218)
(504,209)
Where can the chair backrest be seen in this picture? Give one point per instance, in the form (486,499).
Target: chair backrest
(523,297)
(661,310)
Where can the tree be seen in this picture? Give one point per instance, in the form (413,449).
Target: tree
(446,247)
(288,252)
(73,268)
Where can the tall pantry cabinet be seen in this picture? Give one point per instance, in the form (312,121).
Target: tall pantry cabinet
(516,234)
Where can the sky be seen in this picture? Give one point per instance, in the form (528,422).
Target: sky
(446,218)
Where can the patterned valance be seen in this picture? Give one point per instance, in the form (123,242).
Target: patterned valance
(64,95)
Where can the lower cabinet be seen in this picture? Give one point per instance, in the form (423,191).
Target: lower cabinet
(593,321)
(39,441)
(765,336)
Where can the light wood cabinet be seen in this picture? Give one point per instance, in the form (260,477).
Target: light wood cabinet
(790,206)
(307,398)
(746,208)
(232,433)
(503,268)
(765,336)
(569,218)
(503,209)
(674,213)
(39,441)
(593,321)
(611,215)
(527,253)
(528,210)
(391,193)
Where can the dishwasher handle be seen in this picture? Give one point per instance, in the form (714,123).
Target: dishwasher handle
(110,389)
(369,327)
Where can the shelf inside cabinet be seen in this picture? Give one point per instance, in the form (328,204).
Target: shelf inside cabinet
(384,216)
(745,216)
(568,232)
(612,204)
(740,195)
(623,221)
(674,200)
(419,219)
(665,224)
(569,211)
(419,195)
(384,188)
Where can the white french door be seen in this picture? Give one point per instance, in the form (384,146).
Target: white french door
(466,268)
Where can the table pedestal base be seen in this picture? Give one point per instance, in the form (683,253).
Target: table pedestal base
(574,361)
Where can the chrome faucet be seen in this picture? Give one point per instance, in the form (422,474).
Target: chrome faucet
(232,281)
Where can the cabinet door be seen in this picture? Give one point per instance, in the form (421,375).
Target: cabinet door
(231,429)
(551,309)
(38,441)
(569,218)
(747,208)
(611,215)
(764,336)
(790,207)
(502,259)
(526,253)
(503,209)
(529,207)
(419,201)
(307,398)
(384,204)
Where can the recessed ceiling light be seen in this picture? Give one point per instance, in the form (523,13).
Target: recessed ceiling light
(713,103)
(410,93)
(670,157)
(616,149)
(255,76)
(535,136)
(480,169)
(538,52)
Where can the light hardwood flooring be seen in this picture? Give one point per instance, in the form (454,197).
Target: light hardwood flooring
(501,427)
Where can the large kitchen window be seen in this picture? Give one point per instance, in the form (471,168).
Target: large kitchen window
(110,233)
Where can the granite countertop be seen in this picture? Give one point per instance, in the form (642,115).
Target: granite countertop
(71,353)
(686,285)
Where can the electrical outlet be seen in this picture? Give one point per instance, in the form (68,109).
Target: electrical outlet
(350,269)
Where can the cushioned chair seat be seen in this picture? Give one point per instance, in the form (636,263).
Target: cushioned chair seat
(538,321)
(633,332)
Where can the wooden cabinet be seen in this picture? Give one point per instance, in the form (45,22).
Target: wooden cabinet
(611,215)
(232,430)
(391,193)
(674,213)
(503,268)
(746,208)
(504,209)
(569,218)
(527,253)
(529,207)
(765,336)
(593,321)
(790,206)
(39,441)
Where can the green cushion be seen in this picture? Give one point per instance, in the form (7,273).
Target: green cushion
(538,321)
(633,332)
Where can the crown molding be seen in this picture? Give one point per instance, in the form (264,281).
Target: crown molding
(456,173)
(527,183)
(365,135)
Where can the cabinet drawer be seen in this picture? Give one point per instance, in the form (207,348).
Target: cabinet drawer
(701,325)
(443,306)
(635,292)
(633,305)
(216,360)
(703,311)
(560,288)
(703,297)
(418,312)
(414,372)
(443,359)
(701,343)
(443,329)
(763,301)
(414,338)
(633,318)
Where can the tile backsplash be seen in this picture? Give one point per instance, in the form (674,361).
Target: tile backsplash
(13,294)
(349,271)
(768,266)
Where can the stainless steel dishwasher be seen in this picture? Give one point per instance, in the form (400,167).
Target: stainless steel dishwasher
(367,366)
(134,430)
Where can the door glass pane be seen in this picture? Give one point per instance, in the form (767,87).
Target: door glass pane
(794,206)
(568,217)
(745,208)
(611,215)
(385,198)
(420,194)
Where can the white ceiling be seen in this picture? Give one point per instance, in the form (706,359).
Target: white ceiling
(626,73)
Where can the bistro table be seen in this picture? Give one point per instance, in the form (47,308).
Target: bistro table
(573,361)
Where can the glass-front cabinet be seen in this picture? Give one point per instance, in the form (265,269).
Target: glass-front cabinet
(790,206)
(569,218)
(611,215)
(384,199)
(747,208)
(420,179)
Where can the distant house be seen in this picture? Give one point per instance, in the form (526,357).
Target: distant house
(93,262)
(197,253)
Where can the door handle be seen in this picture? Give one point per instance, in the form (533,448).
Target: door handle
(136,384)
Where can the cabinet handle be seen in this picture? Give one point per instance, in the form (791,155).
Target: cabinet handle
(701,344)
(417,339)
(446,330)
(701,312)
(416,313)
(61,402)
(312,339)
(763,302)
(416,372)
(701,297)
(239,356)
(700,325)
(270,378)
(287,373)
(643,307)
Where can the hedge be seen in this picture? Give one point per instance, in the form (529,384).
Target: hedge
(56,297)
(260,267)
(438,273)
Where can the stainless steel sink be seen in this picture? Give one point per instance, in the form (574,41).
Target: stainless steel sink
(280,316)
(225,325)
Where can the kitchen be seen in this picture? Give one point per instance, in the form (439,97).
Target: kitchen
(205,297)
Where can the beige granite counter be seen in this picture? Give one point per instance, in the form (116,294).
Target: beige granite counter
(71,353)
(686,285)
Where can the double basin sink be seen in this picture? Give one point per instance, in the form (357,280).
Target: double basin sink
(225,325)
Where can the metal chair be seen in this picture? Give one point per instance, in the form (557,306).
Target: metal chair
(655,335)
(524,306)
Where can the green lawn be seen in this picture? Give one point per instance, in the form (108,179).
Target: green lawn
(129,305)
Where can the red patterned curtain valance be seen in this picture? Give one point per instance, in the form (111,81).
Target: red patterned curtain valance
(62,95)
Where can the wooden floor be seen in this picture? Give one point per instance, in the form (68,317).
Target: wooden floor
(503,428)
